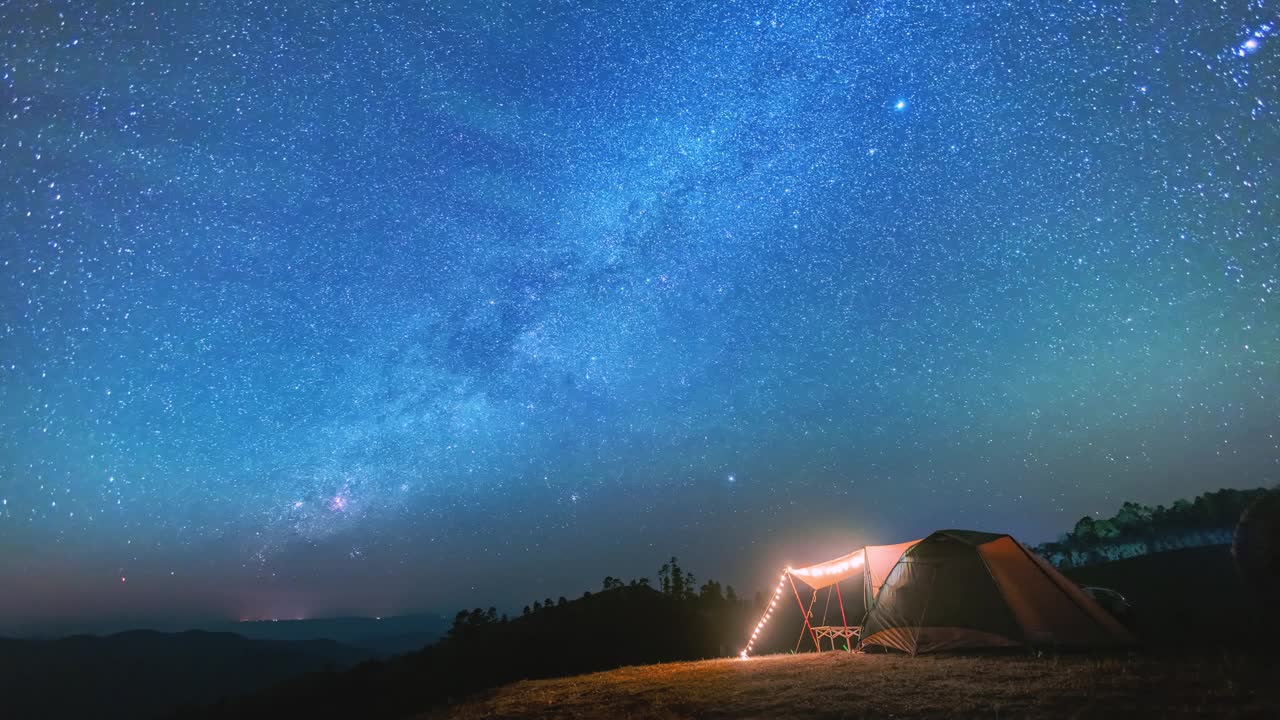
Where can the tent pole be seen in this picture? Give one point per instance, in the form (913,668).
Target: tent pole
(848,641)
(804,614)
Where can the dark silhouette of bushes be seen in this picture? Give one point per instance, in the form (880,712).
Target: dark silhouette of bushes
(1256,548)
(623,624)
(1136,529)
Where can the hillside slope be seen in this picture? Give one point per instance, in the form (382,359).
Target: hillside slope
(843,685)
(622,626)
(143,673)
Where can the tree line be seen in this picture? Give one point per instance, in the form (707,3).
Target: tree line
(675,582)
(622,623)
(1138,529)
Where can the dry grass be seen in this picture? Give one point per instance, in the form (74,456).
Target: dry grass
(840,685)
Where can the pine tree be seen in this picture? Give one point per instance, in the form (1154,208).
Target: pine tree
(677,580)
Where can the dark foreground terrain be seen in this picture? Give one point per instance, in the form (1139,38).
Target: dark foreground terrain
(843,685)
(1207,650)
(141,674)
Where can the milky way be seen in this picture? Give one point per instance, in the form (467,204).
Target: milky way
(360,307)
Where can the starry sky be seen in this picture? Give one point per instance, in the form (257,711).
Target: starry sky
(373,307)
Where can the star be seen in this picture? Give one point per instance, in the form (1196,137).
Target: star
(417,311)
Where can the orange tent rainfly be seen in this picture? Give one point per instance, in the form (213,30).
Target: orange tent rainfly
(954,589)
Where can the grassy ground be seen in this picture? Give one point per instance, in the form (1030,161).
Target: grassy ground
(841,685)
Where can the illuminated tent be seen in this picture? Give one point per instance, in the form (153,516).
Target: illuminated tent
(955,589)
(874,560)
(963,589)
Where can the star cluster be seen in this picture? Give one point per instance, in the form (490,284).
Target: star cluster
(368,307)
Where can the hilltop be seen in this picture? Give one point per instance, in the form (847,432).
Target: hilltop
(844,685)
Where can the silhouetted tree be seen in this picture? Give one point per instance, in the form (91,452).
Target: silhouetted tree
(1138,529)
(710,592)
(1256,547)
(677,586)
(459,621)
(484,649)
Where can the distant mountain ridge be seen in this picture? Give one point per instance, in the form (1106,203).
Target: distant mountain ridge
(144,673)
(621,625)
(387,636)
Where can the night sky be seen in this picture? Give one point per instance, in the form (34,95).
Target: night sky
(359,307)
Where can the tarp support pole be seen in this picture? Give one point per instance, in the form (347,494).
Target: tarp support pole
(848,641)
(804,614)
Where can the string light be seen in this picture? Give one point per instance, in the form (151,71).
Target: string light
(835,567)
(768,613)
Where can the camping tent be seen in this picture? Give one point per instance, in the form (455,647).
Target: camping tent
(954,589)
(964,589)
(873,562)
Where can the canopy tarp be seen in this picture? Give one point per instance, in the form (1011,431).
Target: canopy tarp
(830,572)
(878,560)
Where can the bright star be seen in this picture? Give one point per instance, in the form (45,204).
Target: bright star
(900,105)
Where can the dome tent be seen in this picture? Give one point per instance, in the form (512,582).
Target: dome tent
(960,589)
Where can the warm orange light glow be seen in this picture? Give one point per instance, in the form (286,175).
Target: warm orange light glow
(832,568)
(840,566)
